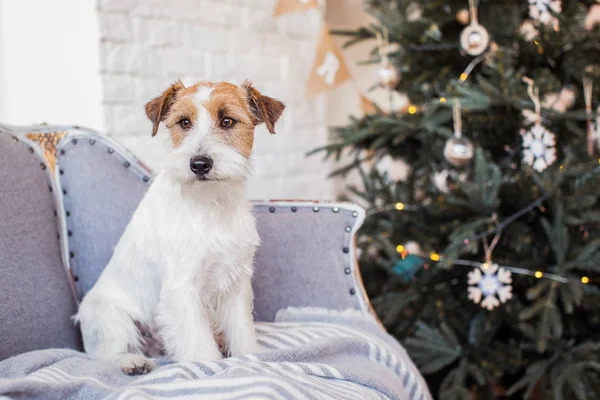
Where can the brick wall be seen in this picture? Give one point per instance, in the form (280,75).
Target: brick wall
(147,44)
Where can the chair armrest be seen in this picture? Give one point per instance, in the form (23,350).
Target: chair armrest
(307,255)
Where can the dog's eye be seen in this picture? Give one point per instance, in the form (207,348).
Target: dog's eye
(227,122)
(185,123)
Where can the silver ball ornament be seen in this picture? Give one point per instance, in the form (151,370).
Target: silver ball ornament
(458,151)
(388,75)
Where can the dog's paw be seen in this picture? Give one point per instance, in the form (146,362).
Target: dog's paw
(136,364)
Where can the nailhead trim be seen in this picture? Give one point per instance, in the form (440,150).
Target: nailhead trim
(335,209)
(92,141)
(354,214)
(346,250)
(347,271)
(65,192)
(111,150)
(43,166)
(127,164)
(294,209)
(348,229)
(272,209)
(352,291)
(31,150)
(75,278)
(316,209)
(145,178)
(74,141)
(71,254)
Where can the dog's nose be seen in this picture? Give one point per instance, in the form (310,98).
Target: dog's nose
(201,165)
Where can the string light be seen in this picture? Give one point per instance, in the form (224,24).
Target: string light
(399,206)
(412,109)
(539,274)
(434,257)
(463,76)
(399,248)
(443,100)
(485,265)
(585,279)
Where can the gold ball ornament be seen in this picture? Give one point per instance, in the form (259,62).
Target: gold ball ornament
(462,16)
(458,151)
(388,75)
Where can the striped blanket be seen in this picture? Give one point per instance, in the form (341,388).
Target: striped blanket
(309,354)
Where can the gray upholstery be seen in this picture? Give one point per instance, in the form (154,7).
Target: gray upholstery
(36,300)
(100,191)
(305,258)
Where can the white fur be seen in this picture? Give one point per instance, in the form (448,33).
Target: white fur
(184,262)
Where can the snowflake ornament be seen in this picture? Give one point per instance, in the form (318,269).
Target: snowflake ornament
(538,147)
(493,285)
(541,10)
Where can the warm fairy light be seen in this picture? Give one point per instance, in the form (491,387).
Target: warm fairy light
(536,42)
(463,76)
(443,100)
(412,109)
(485,265)
(435,257)
(399,248)
(562,166)
(599,161)
(585,279)
(538,274)
(399,206)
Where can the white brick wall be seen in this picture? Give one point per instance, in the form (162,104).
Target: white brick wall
(147,44)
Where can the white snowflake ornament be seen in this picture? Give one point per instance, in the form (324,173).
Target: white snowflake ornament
(541,10)
(493,285)
(538,147)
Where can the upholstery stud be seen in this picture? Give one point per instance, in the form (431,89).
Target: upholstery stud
(294,209)
(346,250)
(92,141)
(316,209)
(68,213)
(74,141)
(65,192)
(272,209)
(348,229)
(146,178)
(16,139)
(75,278)
(31,150)
(71,254)
(355,214)
(70,233)
(335,209)
(347,271)
(60,171)
(43,166)
(352,291)
(111,150)
(127,164)
(62,152)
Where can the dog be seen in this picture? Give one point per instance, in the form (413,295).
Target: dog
(184,264)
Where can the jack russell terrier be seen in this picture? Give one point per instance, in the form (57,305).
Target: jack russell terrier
(184,263)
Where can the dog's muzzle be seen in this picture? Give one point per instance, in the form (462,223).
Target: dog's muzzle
(201,165)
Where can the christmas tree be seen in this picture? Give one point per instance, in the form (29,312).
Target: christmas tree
(485,260)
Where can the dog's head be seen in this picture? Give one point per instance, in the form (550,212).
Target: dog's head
(211,128)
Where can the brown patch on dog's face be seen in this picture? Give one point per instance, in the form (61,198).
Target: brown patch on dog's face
(233,111)
(228,105)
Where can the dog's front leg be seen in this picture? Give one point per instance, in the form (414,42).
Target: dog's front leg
(236,321)
(185,324)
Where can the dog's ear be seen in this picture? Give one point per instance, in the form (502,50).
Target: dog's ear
(157,108)
(264,109)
